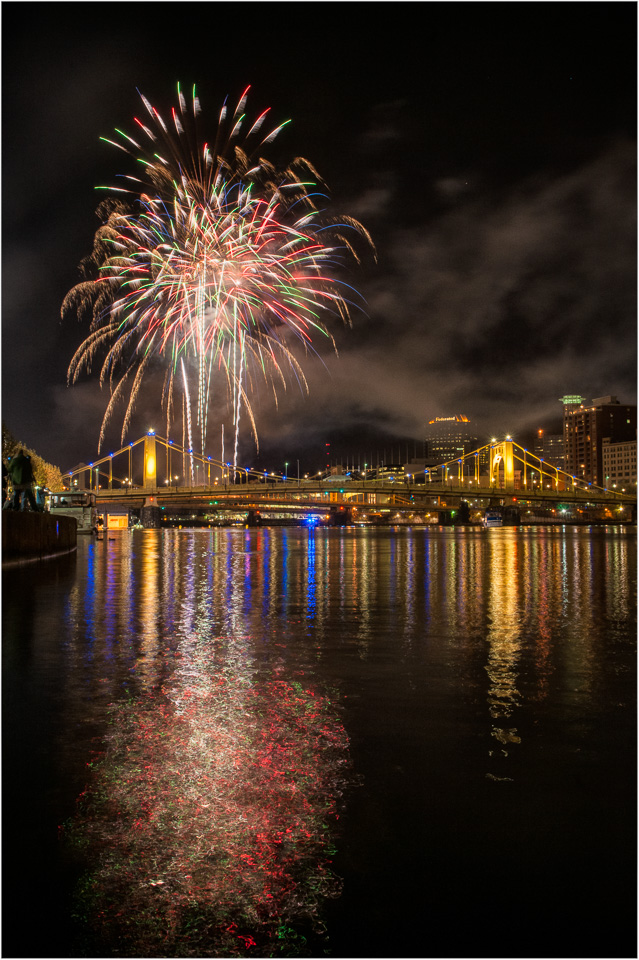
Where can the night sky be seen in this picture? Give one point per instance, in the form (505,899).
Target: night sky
(489,149)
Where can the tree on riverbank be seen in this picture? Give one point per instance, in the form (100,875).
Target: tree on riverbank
(46,474)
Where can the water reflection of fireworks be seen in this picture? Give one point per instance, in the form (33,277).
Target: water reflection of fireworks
(209,820)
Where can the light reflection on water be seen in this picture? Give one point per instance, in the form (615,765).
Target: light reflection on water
(462,665)
(208,823)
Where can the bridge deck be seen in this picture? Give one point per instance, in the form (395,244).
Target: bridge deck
(309,494)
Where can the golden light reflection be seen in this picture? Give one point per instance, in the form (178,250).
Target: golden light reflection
(504,643)
(148,631)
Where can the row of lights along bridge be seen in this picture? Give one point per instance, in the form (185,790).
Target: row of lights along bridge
(546,477)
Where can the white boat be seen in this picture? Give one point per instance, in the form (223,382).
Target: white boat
(493,518)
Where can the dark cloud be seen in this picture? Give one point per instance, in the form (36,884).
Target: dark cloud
(494,308)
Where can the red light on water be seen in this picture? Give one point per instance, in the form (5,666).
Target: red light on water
(209,818)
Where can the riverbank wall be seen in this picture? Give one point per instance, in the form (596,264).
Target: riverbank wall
(30,536)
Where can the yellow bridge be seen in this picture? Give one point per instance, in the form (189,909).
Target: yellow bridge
(172,474)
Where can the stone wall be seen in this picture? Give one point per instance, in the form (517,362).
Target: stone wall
(33,536)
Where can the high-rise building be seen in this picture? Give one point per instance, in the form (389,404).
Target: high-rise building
(585,429)
(448,438)
(550,447)
(619,463)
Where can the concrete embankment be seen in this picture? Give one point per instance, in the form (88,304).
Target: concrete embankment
(35,536)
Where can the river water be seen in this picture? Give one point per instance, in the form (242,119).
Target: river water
(334,742)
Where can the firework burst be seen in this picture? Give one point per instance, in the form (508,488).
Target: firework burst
(211,263)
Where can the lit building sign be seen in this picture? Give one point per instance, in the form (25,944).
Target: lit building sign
(456,419)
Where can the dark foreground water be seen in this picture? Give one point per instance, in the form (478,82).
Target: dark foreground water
(348,743)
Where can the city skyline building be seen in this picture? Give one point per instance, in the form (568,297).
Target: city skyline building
(550,447)
(448,438)
(619,463)
(586,428)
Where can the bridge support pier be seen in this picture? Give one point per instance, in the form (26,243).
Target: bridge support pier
(512,516)
(150,513)
(463,514)
(340,516)
(254,519)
